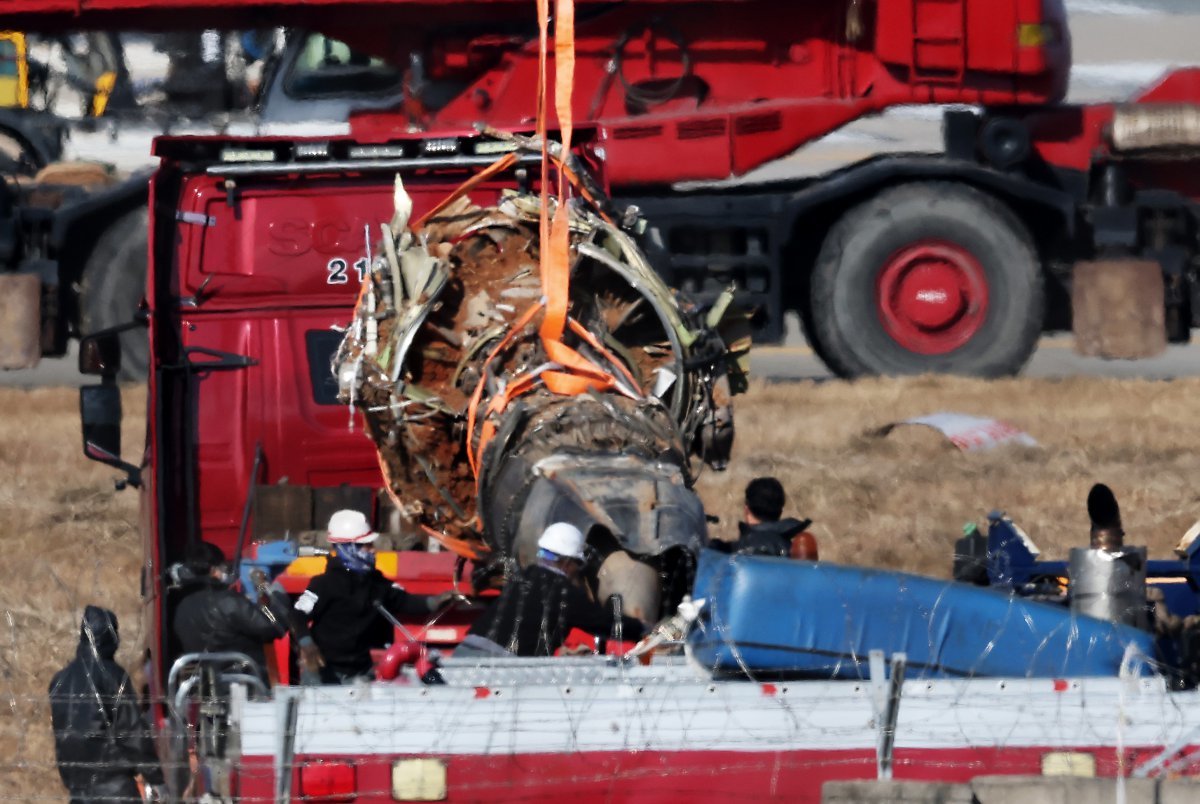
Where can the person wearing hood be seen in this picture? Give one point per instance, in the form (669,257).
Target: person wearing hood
(762,532)
(339,619)
(213,618)
(101,740)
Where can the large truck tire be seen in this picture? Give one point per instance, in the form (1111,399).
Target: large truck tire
(932,277)
(114,281)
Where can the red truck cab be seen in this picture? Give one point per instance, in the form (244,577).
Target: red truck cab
(257,248)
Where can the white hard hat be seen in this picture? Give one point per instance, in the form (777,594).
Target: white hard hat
(563,539)
(348,526)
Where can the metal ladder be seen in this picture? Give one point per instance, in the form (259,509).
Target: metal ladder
(929,46)
(198,706)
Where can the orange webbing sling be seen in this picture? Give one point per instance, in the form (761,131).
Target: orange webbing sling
(577,374)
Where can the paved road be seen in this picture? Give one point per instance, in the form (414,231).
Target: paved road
(1055,357)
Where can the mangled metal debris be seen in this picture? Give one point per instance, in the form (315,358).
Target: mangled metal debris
(484,438)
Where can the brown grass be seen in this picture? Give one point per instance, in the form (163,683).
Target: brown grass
(69,540)
(898,502)
(901,501)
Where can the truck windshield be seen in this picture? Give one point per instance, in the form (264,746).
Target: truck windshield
(326,66)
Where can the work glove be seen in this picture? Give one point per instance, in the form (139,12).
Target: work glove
(311,662)
(154,793)
(689,609)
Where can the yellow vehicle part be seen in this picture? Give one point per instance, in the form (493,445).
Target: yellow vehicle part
(14,71)
(387,562)
(103,91)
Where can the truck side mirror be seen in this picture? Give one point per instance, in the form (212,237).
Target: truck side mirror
(100,353)
(100,414)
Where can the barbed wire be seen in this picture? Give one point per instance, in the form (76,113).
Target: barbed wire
(674,711)
(597,718)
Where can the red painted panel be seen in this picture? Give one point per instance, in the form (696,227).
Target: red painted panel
(1070,135)
(271,403)
(653,777)
(685,776)
(991,30)
(939,32)
(1178,86)
(289,244)
(894,26)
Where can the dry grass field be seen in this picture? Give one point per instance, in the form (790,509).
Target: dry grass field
(898,501)
(69,540)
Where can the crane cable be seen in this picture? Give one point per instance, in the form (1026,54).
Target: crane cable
(578,374)
(574,373)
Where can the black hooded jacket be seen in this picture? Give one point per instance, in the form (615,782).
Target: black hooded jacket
(538,608)
(763,539)
(345,623)
(101,738)
(212,617)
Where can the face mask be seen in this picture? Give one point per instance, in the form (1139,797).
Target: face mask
(356,557)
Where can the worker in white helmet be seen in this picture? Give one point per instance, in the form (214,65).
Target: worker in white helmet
(538,608)
(341,623)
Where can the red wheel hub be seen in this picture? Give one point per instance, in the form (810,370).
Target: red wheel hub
(932,297)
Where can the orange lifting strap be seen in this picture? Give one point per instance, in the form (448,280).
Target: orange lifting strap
(580,374)
(577,374)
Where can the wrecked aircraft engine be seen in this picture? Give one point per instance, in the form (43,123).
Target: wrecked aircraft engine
(484,440)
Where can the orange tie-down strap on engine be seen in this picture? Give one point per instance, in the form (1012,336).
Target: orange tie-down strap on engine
(580,374)
(499,166)
(595,343)
(476,395)
(564,75)
(558,382)
(461,547)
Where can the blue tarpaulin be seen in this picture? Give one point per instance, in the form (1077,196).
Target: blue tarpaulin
(820,620)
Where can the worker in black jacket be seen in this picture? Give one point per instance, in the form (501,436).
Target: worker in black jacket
(339,621)
(213,618)
(762,532)
(538,608)
(101,740)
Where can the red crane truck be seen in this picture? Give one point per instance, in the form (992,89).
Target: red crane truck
(939,262)
(955,261)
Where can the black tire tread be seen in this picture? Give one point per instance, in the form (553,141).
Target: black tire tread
(840,353)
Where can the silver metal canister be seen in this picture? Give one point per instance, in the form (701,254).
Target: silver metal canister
(1109,585)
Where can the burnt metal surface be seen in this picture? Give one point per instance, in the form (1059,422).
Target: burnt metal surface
(444,359)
